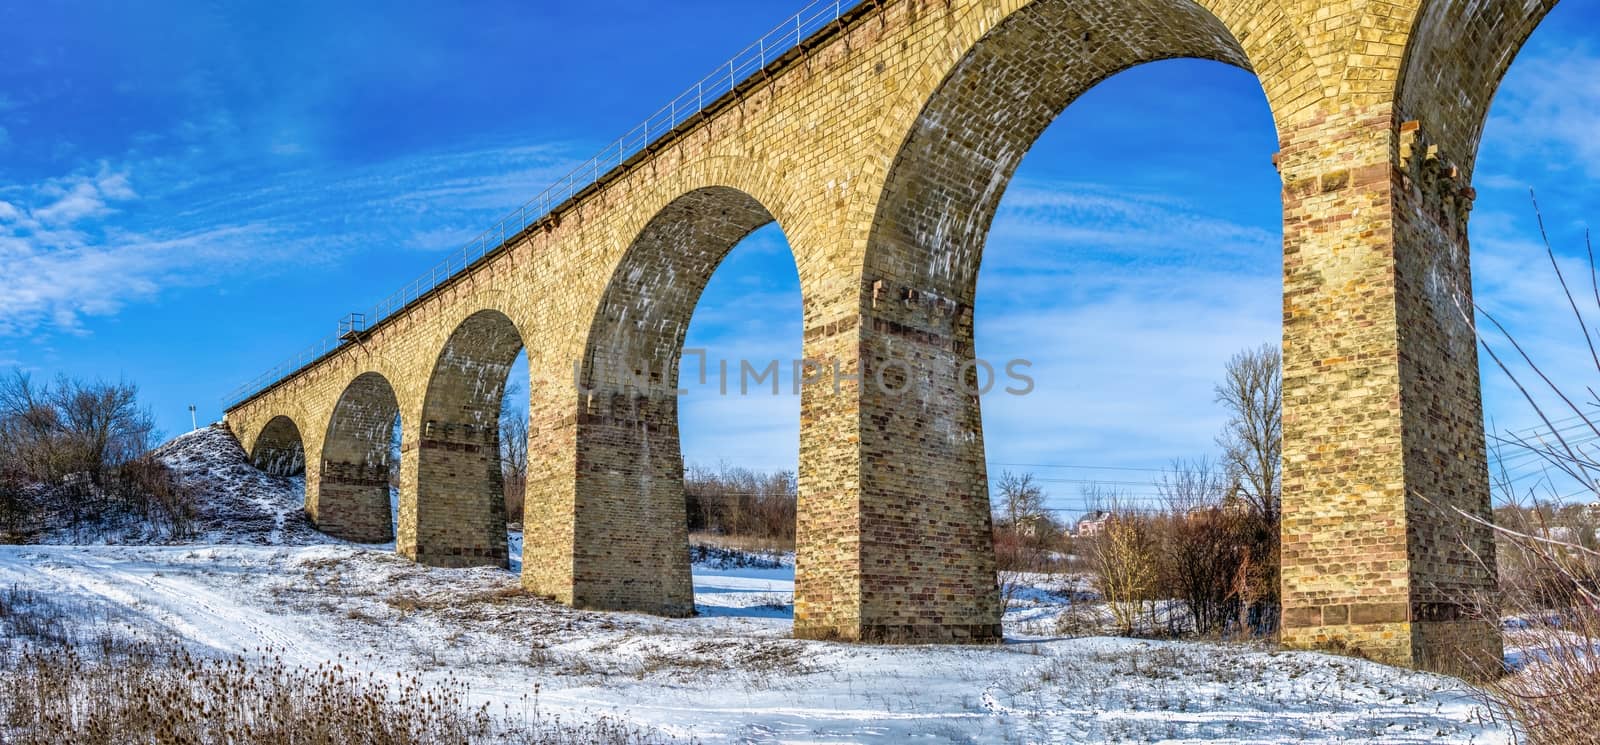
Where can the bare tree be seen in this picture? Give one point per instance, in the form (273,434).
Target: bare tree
(1252,441)
(50,431)
(1199,543)
(1252,450)
(29,428)
(103,424)
(1190,485)
(1021,500)
(749,507)
(513,451)
(1026,539)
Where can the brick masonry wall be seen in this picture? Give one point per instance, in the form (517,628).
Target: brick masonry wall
(881,150)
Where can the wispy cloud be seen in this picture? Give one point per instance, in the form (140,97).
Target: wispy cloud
(1547,110)
(1066,225)
(90,243)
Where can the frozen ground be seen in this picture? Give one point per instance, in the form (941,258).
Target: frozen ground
(731,674)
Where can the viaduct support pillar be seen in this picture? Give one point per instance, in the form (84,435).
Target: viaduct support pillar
(1382,416)
(605,524)
(894,537)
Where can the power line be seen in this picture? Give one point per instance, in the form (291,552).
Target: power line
(1079,467)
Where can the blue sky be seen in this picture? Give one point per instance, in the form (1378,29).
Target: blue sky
(189,196)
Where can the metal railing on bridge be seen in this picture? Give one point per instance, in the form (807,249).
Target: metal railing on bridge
(783,38)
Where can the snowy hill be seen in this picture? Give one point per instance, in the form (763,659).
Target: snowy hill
(228,500)
(236,503)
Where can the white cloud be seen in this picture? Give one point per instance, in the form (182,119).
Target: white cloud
(88,244)
(1548,109)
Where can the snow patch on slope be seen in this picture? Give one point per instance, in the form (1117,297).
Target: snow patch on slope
(235,502)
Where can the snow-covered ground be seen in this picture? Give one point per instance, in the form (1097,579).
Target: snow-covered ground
(730,674)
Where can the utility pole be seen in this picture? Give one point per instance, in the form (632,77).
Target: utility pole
(193,424)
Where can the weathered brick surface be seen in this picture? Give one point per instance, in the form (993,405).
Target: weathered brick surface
(882,150)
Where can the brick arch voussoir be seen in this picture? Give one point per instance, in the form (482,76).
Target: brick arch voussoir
(361,384)
(1269,45)
(450,323)
(1154,30)
(784,198)
(271,427)
(1456,55)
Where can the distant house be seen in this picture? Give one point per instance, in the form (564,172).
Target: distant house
(1093,524)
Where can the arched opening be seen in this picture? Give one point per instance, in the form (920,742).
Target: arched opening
(1129,282)
(740,431)
(279,450)
(919,291)
(630,549)
(453,514)
(351,497)
(1537,134)
(515,403)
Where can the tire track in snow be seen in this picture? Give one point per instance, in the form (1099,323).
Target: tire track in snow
(179,598)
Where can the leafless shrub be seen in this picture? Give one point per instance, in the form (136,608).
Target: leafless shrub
(1123,558)
(74,454)
(704,551)
(1027,541)
(1201,543)
(1553,692)
(1550,566)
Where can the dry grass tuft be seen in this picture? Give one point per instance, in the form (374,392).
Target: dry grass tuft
(55,689)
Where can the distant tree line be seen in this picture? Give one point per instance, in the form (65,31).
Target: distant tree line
(742,505)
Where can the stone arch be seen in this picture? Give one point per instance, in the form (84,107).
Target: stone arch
(1259,31)
(1456,55)
(921,484)
(452,511)
(350,499)
(630,545)
(279,449)
(952,167)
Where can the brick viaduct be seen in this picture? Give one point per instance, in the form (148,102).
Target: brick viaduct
(881,147)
